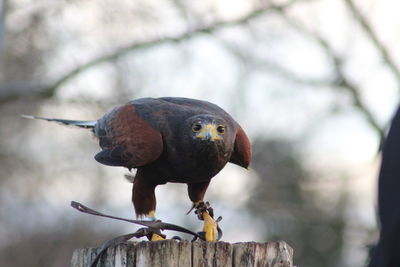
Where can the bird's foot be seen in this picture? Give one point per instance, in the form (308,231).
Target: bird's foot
(156,237)
(152,236)
(205,213)
(150,233)
(201,207)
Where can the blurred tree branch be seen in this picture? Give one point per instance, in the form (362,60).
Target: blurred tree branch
(340,79)
(11,91)
(374,39)
(49,91)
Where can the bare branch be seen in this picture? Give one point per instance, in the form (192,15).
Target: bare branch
(49,91)
(274,68)
(11,91)
(374,39)
(340,78)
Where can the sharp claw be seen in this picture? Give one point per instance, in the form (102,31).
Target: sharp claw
(192,208)
(211,231)
(203,207)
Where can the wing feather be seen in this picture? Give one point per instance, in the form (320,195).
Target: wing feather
(126,139)
(242,149)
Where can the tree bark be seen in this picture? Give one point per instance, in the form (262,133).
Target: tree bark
(168,253)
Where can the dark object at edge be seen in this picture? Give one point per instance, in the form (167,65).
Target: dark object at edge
(387,252)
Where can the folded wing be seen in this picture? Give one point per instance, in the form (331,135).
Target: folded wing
(126,139)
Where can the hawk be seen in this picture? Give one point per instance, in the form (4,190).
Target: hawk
(169,139)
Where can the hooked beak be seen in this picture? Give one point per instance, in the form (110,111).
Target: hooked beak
(209,133)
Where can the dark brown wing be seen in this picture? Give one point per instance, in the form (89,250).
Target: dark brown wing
(242,149)
(126,139)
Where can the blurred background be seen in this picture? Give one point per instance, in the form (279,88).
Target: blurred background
(313,82)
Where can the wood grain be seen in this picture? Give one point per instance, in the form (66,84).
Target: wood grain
(173,253)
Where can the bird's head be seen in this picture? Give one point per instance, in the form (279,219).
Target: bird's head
(208,128)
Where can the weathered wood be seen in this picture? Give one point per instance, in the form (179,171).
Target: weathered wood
(271,254)
(173,253)
(163,253)
(216,254)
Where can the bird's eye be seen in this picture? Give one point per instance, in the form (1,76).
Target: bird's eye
(221,129)
(196,127)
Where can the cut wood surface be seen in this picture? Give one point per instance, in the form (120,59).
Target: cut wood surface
(168,253)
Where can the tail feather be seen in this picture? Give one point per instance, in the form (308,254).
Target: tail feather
(82,124)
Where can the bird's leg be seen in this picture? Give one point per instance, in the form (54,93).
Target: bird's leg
(205,213)
(156,237)
(203,210)
(152,217)
(144,200)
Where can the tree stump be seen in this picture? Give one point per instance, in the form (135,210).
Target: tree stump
(168,253)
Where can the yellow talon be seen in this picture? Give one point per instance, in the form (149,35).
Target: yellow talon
(156,237)
(210,227)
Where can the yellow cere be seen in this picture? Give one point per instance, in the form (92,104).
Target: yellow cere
(209,132)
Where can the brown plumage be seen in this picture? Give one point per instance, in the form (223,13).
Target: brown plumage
(169,140)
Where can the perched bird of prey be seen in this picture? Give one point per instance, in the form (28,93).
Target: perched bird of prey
(169,139)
